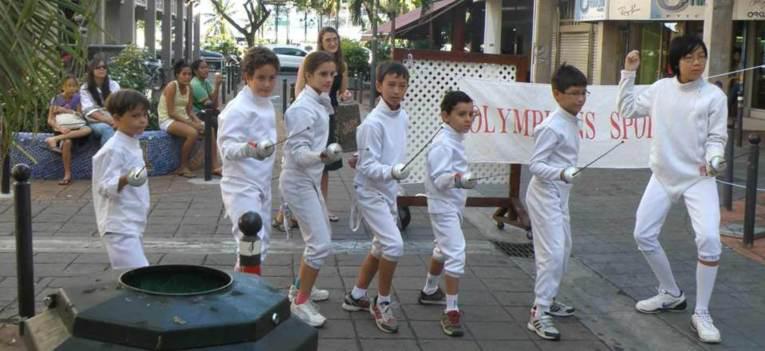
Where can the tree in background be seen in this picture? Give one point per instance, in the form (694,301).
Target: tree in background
(40,40)
(256,11)
(373,9)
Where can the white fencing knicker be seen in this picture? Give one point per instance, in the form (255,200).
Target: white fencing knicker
(449,242)
(309,209)
(379,217)
(703,205)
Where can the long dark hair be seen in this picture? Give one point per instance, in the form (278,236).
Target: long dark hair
(92,87)
(339,58)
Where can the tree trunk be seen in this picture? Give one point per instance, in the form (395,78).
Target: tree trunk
(373,69)
(305,26)
(392,34)
(337,16)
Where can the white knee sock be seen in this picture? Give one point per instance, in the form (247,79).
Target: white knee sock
(451,303)
(705,283)
(431,283)
(661,268)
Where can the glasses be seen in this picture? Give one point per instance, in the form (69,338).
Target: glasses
(691,59)
(101,67)
(585,93)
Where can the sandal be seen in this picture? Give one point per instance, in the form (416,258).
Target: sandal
(277,225)
(184,172)
(333,218)
(65,181)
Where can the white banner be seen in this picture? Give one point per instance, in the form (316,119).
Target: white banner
(502,133)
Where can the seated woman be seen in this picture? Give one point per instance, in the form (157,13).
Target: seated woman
(176,116)
(205,97)
(68,102)
(93,94)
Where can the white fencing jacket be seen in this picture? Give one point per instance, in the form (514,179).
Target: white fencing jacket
(689,127)
(556,147)
(381,141)
(125,211)
(247,118)
(302,149)
(445,157)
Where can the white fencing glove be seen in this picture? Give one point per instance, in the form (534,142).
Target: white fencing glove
(569,174)
(398,172)
(137,176)
(465,181)
(332,154)
(259,151)
(716,165)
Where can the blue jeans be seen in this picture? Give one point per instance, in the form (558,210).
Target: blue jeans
(102,131)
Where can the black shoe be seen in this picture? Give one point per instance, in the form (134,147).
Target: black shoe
(436,298)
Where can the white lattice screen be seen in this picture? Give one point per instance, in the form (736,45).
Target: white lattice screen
(429,81)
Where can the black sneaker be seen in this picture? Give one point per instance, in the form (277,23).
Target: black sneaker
(436,298)
(352,305)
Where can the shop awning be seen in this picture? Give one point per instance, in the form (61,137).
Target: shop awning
(414,18)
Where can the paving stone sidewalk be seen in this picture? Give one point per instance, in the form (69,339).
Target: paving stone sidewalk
(187,225)
(607,273)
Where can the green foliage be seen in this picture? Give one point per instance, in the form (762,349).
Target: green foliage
(356,57)
(129,68)
(225,44)
(383,50)
(34,35)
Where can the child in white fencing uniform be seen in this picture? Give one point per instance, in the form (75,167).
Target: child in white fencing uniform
(120,191)
(687,151)
(307,124)
(246,141)
(553,165)
(381,140)
(447,178)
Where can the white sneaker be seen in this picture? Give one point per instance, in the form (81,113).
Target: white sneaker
(664,301)
(543,326)
(307,313)
(316,294)
(703,324)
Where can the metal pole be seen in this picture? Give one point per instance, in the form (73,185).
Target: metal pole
(6,177)
(24,260)
(751,189)
(740,119)
(225,82)
(284,95)
(208,147)
(727,194)
(292,92)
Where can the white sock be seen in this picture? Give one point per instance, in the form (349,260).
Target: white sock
(705,283)
(381,299)
(451,303)
(357,293)
(662,270)
(431,283)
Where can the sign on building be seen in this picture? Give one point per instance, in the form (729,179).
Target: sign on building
(749,10)
(643,10)
(590,10)
(677,10)
(630,10)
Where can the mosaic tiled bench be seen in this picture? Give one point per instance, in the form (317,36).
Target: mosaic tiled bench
(162,153)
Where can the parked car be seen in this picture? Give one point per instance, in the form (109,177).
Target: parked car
(290,57)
